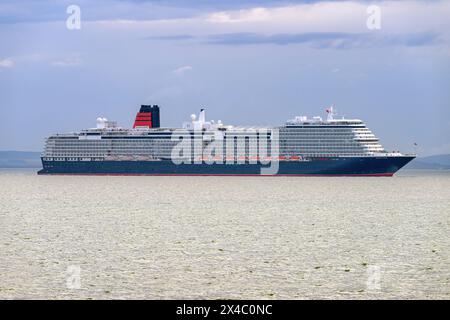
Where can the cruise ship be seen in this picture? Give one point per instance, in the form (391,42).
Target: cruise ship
(301,147)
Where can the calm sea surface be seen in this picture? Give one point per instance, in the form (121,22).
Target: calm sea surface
(224,237)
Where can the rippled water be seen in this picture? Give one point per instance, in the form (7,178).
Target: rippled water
(224,237)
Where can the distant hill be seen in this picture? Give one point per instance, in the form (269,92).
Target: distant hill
(437,162)
(20,159)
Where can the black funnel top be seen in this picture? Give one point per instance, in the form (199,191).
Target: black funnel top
(154,110)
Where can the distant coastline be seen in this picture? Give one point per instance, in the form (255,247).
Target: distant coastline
(436,162)
(31,159)
(20,159)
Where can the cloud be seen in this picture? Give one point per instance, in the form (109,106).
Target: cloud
(322,24)
(335,70)
(172,37)
(321,39)
(6,63)
(249,15)
(336,16)
(48,10)
(69,62)
(318,40)
(182,70)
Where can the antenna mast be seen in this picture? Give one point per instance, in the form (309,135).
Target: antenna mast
(330,113)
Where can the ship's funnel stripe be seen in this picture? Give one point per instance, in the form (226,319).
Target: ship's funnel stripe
(148,116)
(143,119)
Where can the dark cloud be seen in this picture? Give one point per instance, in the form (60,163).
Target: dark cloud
(282,38)
(47,10)
(413,40)
(319,40)
(174,38)
(228,4)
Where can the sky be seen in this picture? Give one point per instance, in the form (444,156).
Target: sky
(249,62)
